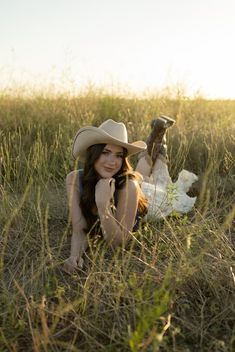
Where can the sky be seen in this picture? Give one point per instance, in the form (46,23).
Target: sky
(139,45)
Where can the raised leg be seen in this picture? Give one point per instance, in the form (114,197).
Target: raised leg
(152,163)
(144,166)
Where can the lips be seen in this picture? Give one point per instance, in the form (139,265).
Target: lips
(108,169)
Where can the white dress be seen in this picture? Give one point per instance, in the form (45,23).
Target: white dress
(164,196)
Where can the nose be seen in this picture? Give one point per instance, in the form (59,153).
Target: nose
(112,159)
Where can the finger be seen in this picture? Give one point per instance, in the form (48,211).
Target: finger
(104,182)
(68,269)
(81,263)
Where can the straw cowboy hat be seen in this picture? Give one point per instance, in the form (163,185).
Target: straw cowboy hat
(109,132)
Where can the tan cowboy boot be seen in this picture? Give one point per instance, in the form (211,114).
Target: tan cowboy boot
(156,142)
(156,146)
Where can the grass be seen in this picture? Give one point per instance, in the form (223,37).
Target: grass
(171,289)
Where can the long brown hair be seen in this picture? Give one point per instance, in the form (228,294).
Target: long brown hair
(90,177)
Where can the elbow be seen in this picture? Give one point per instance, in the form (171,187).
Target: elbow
(116,240)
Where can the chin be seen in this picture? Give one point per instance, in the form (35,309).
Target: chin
(106,175)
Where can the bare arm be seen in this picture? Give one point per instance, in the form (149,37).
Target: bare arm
(79,239)
(117,226)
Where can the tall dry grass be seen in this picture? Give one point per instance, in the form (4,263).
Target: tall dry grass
(171,289)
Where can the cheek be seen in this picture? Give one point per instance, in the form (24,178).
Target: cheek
(99,162)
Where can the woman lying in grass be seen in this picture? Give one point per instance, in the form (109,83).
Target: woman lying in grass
(107,196)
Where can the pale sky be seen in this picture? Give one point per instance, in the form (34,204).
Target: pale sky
(139,44)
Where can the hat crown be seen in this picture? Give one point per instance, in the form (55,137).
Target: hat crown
(115,129)
(109,132)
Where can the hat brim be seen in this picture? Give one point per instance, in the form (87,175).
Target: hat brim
(88,136)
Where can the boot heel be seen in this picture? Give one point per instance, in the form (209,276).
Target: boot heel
(169,121)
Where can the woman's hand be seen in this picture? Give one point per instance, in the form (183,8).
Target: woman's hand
(72,264)
(104,192)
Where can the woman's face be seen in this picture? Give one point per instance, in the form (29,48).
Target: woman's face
(110,161)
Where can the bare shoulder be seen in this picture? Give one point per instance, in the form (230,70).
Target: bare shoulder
(73,179)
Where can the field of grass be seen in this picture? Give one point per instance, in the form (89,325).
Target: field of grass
(171,289)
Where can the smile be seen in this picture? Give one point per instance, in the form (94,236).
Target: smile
(108,169)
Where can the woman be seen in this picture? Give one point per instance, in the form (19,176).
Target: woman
(106,195)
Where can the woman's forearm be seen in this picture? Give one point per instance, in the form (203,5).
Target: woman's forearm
(114,233)
(79,244)
(117,227)
(79,241)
